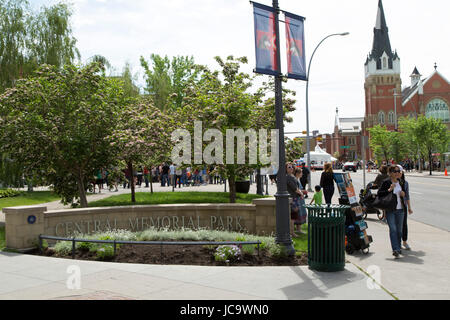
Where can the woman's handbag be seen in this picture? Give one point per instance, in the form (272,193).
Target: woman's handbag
(387,202)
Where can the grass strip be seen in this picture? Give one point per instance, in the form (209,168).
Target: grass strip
(147,198)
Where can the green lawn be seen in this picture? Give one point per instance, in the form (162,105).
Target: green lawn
(301,241)
(143,198)
(28,198)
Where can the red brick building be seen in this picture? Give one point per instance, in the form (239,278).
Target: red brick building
(385,99)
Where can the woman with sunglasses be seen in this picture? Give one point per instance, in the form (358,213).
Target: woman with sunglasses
(394,216)
(407,209)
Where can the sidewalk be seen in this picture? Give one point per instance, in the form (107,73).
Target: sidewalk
(422,273)
(42,278)
(424,174)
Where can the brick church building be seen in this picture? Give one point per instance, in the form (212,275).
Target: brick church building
(385,99)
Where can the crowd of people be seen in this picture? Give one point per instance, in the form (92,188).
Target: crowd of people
(165,174)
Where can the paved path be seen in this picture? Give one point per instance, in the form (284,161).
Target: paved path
(422,273)
(35,277)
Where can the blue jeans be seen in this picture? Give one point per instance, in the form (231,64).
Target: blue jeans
(164,178)
(395,222)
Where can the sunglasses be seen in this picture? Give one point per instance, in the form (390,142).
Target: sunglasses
(397,171)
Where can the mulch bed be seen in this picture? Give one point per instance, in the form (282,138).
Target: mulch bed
(185,255)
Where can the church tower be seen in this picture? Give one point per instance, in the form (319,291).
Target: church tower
(382,78)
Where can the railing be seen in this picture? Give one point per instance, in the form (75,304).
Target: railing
(161,243)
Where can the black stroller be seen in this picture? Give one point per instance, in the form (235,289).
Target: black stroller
(366,198)
(356,237)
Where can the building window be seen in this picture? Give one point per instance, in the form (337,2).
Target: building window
(351,141)
(379,64)
(438,109)
(381,117)
(384,63)
(391,117)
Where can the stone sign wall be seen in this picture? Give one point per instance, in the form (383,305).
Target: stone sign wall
(25,224)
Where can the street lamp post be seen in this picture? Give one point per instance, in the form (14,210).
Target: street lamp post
(283,236)
(308,161)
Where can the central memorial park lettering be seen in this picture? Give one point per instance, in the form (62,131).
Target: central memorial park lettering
(139,224)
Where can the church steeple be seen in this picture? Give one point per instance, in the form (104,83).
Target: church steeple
(381,59)
(381,41)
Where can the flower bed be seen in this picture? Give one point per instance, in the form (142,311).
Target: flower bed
(246,255)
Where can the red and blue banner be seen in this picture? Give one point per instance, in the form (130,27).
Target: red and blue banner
(265,36)
(295,46)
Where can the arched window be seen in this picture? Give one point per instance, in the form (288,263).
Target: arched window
(391,117)
(381,117)
(384,63)
(438,109)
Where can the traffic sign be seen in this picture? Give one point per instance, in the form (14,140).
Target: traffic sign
(345,147)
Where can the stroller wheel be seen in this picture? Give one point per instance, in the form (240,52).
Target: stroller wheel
(365,251)
(349,249)
(380,214)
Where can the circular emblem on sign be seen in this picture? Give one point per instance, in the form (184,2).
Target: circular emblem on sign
(31,219)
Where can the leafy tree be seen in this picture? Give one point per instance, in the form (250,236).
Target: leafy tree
(57,125)
(30,39)
(432,135)
(168,80)
(380,141)
(293,149)
(27,40)
(221,100)
(143,133)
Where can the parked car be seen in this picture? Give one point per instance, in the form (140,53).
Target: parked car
(349,166)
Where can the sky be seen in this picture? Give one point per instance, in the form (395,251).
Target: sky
(125,30)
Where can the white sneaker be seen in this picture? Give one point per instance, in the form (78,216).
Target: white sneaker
(407,247)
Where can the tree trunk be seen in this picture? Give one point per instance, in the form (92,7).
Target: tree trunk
(151,181)
(130,169)
(82,191)
(430,163)
(232,185)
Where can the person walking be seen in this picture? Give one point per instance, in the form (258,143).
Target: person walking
(406,209)
(305,175)
(318,196)
(327,182)
(295,193)
(394,215)
(302,210)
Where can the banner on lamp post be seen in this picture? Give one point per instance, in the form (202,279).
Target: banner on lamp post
(265,45)
(295,46)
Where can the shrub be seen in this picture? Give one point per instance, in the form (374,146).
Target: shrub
(227,253)
(63,248)
(85,246)
(6,193)
(105,252)
(278,251)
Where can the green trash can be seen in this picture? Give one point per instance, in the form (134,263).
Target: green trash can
(326,237)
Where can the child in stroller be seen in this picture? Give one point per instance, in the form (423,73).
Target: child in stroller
(366,198)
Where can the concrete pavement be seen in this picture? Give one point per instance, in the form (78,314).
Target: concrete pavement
(35,277)
(421,273)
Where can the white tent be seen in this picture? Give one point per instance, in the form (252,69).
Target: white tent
(319,157)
